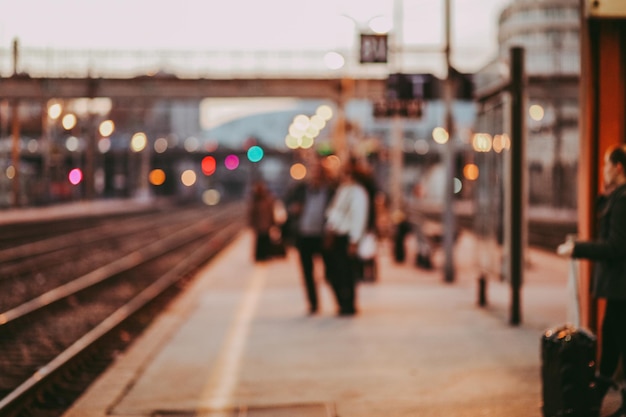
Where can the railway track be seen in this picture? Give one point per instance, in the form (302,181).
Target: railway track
(82,296)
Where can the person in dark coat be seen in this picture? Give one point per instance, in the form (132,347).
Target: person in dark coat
(306,206)
(609,278)
(261,219)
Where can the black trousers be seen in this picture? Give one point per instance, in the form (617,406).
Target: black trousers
(341,273)
(309,247)
(262,246)
(613,337)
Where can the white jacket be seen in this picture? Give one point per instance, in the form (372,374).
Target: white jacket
(348,211)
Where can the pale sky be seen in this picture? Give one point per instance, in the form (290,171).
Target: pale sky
(245,24)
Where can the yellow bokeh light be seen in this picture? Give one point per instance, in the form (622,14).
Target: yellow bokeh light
(297,171)
(106,128)
(69,121)
(10,172)
(536,112)
(306,142)
(54,111)
(440,135)
(188,178)
(325,112)
(498,143)
(138,142)
(501,143)
(157,177)
(318,122)
(292,142)
(295,131)
(482,142)
(470,172)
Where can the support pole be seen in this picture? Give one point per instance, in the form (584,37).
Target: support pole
(15,152)
(517,182)
(448,209)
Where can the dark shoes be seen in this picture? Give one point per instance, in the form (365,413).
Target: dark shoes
(346,312)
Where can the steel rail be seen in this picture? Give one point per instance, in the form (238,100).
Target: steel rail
(103,273)
(43,374)
(89,235)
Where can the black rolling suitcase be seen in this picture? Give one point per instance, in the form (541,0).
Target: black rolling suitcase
(568,356)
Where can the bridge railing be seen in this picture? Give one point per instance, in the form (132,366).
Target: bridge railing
(41,62)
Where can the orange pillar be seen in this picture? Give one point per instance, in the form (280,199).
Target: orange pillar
(603,105)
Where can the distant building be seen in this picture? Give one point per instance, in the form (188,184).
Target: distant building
(548,30)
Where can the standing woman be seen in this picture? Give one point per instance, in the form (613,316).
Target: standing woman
(609,254)
(346,223)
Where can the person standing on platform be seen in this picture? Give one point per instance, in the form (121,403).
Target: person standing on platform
(306,205)
(609,254)
(346,224)
(261,219)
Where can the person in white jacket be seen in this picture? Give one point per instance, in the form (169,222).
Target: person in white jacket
(346,224)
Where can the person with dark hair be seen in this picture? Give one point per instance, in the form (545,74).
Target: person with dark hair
(609,278)
(306,206)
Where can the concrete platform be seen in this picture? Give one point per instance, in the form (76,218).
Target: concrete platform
(238,343)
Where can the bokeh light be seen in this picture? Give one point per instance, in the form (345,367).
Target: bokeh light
(332,164)
(188,178)
(75,176)
(458,186)
(536,112)
(470,172)
(297,171)
(334,60)
(10,172)
(292,142)
(211,197)
(32,146)
(301,122)
(209,165)
(72,143)
(157,177)
(104,145)
(501,143)
(306,142)
(482,142)
(231,162)
(54,111)
(69,121)
(381,24)
(138,142)
(325,112)
(160,145)
(421,147)
(255,153)
(440,135)
(106,128)
(191,144)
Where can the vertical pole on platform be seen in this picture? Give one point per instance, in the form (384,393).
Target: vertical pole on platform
(517,181)
(15,151)
(448,209)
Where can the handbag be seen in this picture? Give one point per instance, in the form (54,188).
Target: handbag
(366,248)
